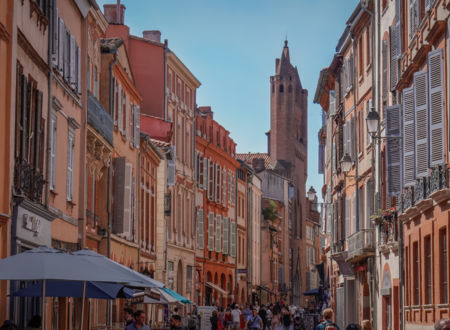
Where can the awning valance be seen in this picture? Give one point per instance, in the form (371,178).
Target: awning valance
(218,288)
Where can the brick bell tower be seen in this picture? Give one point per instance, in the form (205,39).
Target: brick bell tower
(288,146)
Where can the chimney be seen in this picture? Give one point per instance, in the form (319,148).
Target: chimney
(114,14)
(205,111)
(152,35)
(258,164)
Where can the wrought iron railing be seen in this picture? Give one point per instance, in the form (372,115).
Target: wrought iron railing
(99,118)
(388,233)
(28,181)
(361,243)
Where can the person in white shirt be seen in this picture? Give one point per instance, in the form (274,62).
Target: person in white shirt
(236,314)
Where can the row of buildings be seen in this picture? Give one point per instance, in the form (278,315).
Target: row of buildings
(105,148)
(384,156)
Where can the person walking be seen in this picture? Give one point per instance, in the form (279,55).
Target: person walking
(366,325)
(236,316)
(443,324)
(214,321)
(255,322)
(139,317)
(128,316)
(327,324)
(228,319)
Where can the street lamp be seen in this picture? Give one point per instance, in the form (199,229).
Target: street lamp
(372,120)
(311,194)
(346,163)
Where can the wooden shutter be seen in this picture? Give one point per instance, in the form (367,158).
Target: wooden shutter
(409,150)
(393,150)
(370,192)
(360,208)
(171,172)
(332,107)
(436,100)
(211,231)
(393,71)
(201,229)
(61,44)
(321,156)
(233,239)
(345,138)
(128,204)
(38,131)
(352,70)
(226,235)
(224,187)
(413,17)
(69,176)
(347,217)
(205,173)
(217,184)
(218,233)
(210,179)
(137,125)
(353,138)
(385,70)
(353,206)
(398,30)
(53,123)
(73,61)
(421,123)
(120,114)
(55,45)
(79,70)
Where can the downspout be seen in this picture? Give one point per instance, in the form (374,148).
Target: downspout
(166,48)
(108,200)
(194,243)
(51,6)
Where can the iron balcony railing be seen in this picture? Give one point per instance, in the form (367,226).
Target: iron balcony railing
(100,119)
(361,244)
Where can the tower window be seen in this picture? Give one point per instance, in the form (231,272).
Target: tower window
(281,88)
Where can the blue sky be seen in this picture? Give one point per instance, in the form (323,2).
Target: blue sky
(231,46)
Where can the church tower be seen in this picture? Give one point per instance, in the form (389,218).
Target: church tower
(288,146)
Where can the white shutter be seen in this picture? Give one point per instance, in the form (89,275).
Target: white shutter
(354,224)
(218,233)
(211,231)
(385,70)
(218,182)
(224,187)
(421,123)
(332,107)
(226,235)
(55,47)
(61,44)
(345,144)
(210,179)
(69,176)
(347,217)
(53,153)
(72,69)
(127,203)
(413,19)
(120,115)
(201,229)
(137,126)
(393,71)
(409,146)
(205,173)
(233,239)
(171,175)
(436,100)
(78,70)
(393,151)
(398,30)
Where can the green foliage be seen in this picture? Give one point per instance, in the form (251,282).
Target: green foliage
(270,212)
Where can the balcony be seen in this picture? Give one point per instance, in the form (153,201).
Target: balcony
(28,181)
(388,237)
(100,119)
(361,245)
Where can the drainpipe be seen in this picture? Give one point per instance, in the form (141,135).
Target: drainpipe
(51,6)
(108,200)
(166,50)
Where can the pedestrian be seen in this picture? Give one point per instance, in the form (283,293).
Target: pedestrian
(263,314)
(176,322)
(298,323)
(352,326)
(247,312)
(276,321)
(443,324)
(139,322)
(366,325)
(255,322)
(221,316)
(8,325)
(128,316)
(214,321)
(236,315)
(228,319)
(286,318)
(192,322)
(34,323)
(327,324)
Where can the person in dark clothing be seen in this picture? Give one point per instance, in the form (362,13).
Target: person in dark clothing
(214,320)
(128,316)
(263,315)
(8,325)
(177,322)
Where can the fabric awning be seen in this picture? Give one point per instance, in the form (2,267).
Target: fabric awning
(218,288)
(177,296)
(312,292)
(345,268)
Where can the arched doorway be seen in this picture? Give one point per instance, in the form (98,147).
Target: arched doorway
(180,278)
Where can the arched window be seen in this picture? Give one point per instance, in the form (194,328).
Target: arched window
(281,88)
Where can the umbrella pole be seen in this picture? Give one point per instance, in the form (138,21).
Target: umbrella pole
(44,320)
(83,296)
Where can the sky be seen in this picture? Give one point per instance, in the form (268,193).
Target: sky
(231,47)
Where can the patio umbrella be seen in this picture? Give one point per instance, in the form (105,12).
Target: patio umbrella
(44,263)
(95,290)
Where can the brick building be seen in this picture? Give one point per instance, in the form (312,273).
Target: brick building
(217,212)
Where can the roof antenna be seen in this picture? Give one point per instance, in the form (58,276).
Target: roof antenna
(285,41)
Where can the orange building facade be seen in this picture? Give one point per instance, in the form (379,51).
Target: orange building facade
(215,268)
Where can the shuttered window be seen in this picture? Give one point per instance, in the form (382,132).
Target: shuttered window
(137,125)
(224,187)
(354,223)
(171,168)
(414,17)
(233,239)
(421,123)
(200,228)
(226,235)
(70,161)
(205,174)
(210,180)
(360,208)
(332,107)
(347,217)
(393,70)
(218,233)
(218,183)
(436,106)
(393,150)
(370,194)
(409,160)
(398,29)
(385,69)
(53,144)
(211,231)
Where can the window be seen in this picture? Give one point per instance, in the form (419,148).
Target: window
(95,81)
(416,274)
(407,277)
(124,114)
(132,123)
(281,88)
(361,56)
(179,89)
(443,265)
(70,161)
(428,268)
(368,45)
(53,123)
(169,81)
(89,88)
(188,98)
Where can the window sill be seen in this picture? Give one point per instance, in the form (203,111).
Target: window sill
(446,305)
(428,306)
(71,203)
(368,67)
(53,192)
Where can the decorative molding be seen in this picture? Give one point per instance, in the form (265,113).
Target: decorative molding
(73,123)
(98,155)
(56,104)
(436,31)
(42,20)
(31,52)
